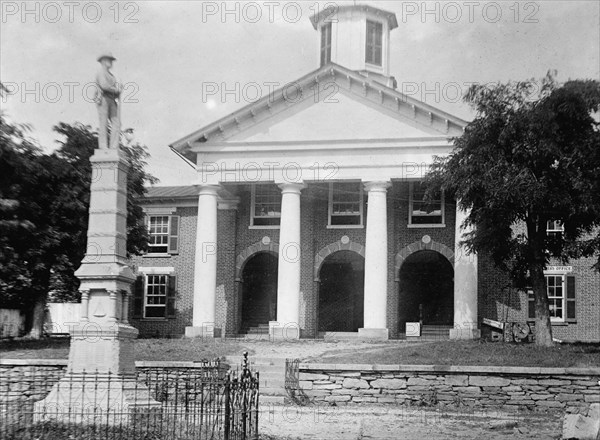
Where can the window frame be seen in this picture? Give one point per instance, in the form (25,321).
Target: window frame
(552,229)
(146,295)
(325,49)
(442,215)
(563,297)
(361,202)
(253,210)
(173,236)
(167,234)
(371,46)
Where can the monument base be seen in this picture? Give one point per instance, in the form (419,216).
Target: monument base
(202,331)
(374,333)
(99,399)
(465,333)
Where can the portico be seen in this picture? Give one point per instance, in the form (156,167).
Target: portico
(318,168)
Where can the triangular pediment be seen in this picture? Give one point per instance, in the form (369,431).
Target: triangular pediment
(332,103)
(339,117)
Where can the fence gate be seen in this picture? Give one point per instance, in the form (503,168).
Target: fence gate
(241,404)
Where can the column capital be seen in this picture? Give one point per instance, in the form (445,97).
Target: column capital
(211,190)
(377,185)
(291,187)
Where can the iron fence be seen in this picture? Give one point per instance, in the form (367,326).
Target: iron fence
(156,403)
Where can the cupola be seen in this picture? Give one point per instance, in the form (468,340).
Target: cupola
(357,37)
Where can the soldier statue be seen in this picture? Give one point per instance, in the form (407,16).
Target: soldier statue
(107,101)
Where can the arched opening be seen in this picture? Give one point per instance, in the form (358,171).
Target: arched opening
(259,290)
(341,292)
(426,289)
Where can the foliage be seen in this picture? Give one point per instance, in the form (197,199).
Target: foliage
(44,199)
(524,160)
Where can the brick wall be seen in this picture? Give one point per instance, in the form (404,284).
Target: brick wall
(183,262)
(492,302)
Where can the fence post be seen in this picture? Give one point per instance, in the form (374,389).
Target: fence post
(227,416)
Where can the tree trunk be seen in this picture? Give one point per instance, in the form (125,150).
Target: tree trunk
(543,328)
(536,231)
(37,320)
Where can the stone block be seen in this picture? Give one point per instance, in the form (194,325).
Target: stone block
(550,403)
(488,381)
(512,388)
(419,381)
(567,397)
(326,386)
(390,384)
(554,382)
(305,384)
(467,390)
(355,383)
(338,398)
(457,380)
(541,396)
(582,427)
(313,376)
(593,398)
(364,399)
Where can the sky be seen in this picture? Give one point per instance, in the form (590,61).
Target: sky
(185,64)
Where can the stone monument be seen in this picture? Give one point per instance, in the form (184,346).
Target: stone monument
(100,384)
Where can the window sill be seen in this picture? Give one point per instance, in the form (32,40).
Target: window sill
(433,225)
(345,226)
(157,255)
(264,227)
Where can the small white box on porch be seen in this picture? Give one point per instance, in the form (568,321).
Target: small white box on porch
(413,329)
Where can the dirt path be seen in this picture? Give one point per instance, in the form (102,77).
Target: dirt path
(393,423)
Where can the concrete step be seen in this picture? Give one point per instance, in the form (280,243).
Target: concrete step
(277,400)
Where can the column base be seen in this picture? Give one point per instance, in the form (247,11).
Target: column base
(374,333)
(286,332)
(204,331)
(465,333)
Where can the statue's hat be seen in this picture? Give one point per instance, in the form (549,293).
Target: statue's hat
(108,55)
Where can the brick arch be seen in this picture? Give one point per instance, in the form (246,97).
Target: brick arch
(420,246)
(336,246)
(250,251)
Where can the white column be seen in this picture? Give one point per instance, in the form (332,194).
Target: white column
(465,284)
(376,263)
(205,265)
(288,277)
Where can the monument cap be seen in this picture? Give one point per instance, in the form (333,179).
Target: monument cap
(108,55)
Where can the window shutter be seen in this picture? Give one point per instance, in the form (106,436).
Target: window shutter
(138,297)
(174,234)
(570,300)
(530,304)
(171,295)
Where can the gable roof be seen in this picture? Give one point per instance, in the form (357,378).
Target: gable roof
(387,98)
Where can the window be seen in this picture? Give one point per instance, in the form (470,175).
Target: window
(265,205)
(555,289)
(561,298)
(345,204)
(424,212)
(154,294)
(554,228)
(374,43)
(164,234)
(325,43)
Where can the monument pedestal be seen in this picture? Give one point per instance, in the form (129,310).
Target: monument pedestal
(100,385)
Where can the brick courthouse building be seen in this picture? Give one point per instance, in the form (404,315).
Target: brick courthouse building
(307,216)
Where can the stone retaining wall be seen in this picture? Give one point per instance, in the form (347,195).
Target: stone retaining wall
(572,389)
(32,379)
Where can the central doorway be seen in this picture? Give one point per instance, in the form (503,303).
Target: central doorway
(426,289)
(259,291)
(341,292)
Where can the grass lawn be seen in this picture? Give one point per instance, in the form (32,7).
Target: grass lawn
(145,349)
(471,353)
(352,352)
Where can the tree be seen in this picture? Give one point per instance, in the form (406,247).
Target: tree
(524,160)
(44,200)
